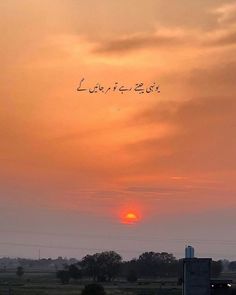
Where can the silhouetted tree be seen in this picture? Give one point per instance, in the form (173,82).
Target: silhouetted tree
(93,289)
(109,263)
(132,276)
(74,272)
(63,276)
(102,266)
(20,271)
(151,264)
(128,268)
(90,266)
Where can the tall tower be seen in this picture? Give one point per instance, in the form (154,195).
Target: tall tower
(189,252)
(196,274)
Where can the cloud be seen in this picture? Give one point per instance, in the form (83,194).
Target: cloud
(204,139)
(218,76)
(155,189)
(132,42)
(167,39)
(225,13)
(222,37)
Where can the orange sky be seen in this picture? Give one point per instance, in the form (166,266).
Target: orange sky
(170,157)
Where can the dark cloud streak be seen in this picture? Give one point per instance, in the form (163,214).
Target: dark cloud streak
(130,43)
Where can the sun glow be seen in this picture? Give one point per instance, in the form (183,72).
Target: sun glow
(130,217)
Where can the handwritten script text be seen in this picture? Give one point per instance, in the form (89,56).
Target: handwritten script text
(139,88)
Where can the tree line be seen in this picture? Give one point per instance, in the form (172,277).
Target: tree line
(108,266)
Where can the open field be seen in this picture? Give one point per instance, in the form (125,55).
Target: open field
(38,283)
(47,284)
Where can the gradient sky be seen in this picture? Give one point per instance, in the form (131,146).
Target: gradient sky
(71,163)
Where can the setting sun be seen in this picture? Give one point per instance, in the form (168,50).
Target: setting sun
(130,218)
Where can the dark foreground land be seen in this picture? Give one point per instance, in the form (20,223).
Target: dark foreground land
(46,284)
(38,283)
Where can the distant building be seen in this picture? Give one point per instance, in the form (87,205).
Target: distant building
(196,276)
(189,252)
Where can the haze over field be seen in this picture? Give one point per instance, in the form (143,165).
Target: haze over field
(73,165)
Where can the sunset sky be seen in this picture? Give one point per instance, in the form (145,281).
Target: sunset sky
(74,164)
